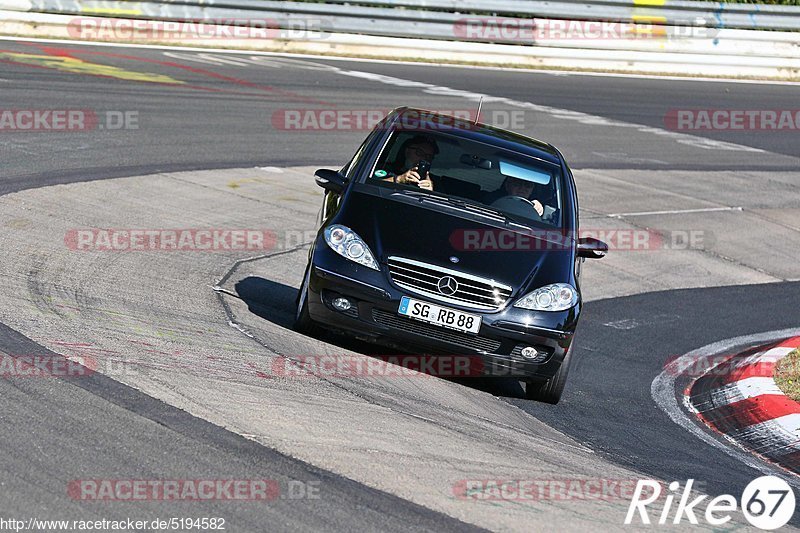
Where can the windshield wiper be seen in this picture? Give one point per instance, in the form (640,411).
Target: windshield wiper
(480,209)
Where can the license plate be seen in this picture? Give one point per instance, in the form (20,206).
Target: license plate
(441,316)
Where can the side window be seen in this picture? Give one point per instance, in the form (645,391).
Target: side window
(350,168)
(389,153)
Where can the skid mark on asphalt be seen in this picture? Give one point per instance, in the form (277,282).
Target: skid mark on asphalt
(632,323)
(78,66)
(65,60)
(178,352)
(261,88)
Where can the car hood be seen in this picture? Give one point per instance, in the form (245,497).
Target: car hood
(397,225)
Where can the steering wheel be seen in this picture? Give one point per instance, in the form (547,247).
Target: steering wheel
(518,206)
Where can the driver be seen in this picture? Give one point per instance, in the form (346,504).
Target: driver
(515,187)
(404,168)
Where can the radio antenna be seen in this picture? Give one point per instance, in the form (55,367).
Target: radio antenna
(480,105)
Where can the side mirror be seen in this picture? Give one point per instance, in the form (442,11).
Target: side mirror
(592,248)
(330,180)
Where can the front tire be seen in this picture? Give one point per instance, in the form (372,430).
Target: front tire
(302,319)
(550,391)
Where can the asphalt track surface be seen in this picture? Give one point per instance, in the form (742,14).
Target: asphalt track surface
(220,117)
(180,127)
(55,433)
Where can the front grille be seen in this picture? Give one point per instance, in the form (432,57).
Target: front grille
(472,291)
(409,325)
(352,312)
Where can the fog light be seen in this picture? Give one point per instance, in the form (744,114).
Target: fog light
(342,304)
(529,352)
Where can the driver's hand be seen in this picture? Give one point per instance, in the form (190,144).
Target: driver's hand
(412,177)
(539,207)
(409,177)
(426,184)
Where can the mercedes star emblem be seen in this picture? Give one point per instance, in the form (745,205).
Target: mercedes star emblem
(447,285)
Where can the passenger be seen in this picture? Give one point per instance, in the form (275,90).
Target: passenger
(515,187)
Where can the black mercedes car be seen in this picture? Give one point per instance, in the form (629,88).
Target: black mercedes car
(443,236)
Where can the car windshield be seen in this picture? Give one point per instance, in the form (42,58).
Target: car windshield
(525,189)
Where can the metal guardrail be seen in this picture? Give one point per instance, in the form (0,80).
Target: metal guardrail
(436,19)
(672,12)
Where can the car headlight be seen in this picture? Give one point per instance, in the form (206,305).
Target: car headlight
(555,297)
(348,244)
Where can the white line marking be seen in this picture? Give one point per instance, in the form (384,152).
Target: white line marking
(663,392)
(564,114)
(674,212)
(401,62)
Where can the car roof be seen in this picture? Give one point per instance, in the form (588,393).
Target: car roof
(478,131)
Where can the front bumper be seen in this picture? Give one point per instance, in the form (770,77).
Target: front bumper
(374,318)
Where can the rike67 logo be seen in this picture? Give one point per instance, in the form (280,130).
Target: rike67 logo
(767,502)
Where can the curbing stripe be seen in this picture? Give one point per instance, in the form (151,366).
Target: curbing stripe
(744,389)
(791,343)
(752,411)
(745,404)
